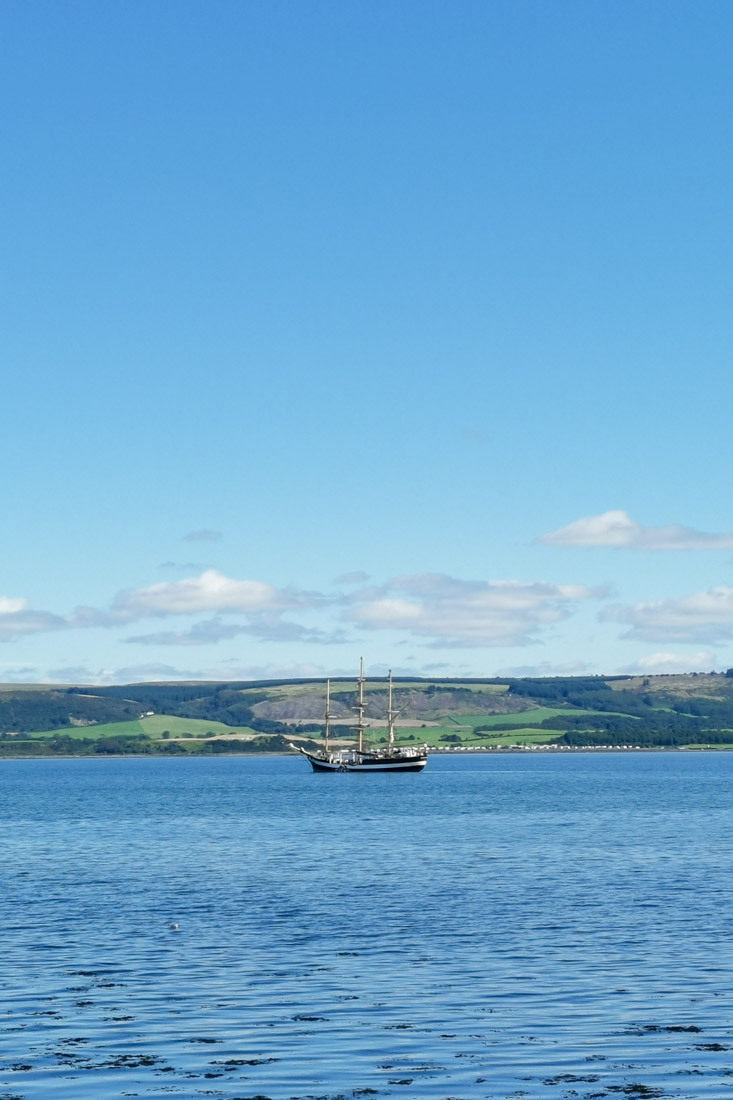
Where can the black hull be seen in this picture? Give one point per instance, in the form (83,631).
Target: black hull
(379,764)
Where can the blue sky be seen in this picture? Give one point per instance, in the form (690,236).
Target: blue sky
(331,329)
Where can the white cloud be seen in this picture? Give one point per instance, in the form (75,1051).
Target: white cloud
(18,620)
(656,663)
(211,591)
(10,606)
(453,612)
(702,617)
(618,530)
(434,608)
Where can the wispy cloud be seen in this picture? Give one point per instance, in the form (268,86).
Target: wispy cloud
(357,577)
(202,536)
(145,672)
(705,617)
(148,672)
(204,633)
(266,628)
(20,674)
(451,612)
(545,668)
(211,591)
(434,609)
(617,530)
(17,619)
(656,663)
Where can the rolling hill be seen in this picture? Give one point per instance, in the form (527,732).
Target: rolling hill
(653,711)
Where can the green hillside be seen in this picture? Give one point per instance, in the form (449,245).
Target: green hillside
(654,711)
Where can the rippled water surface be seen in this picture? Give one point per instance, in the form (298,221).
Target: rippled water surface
(499,926)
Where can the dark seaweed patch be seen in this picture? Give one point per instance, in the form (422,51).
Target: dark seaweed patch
(571,1078)
(637,1090)
(129,1061)
(243,1061)
(645,1028)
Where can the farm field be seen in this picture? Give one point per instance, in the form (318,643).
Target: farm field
(526,718)
(437,737)
(153,726)
(106,729)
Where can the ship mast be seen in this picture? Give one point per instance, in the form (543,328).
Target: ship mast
(327,724)
(360,708)
(390,713)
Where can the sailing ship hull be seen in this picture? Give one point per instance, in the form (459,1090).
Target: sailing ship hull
(375,764)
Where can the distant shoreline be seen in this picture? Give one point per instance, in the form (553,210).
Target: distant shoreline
(555,750)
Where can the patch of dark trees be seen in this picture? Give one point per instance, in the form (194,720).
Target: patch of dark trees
(639,719)
(591,693)
(659,728)
(28,711)
(137,745)
(212,702)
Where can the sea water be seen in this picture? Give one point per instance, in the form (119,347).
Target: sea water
(519,925)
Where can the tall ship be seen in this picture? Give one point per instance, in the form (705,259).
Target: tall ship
(362,757)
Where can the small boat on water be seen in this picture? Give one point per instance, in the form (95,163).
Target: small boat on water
(361,758)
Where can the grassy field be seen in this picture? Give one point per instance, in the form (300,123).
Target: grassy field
(435,737)
(526,718)
(524,729)
(108,729)
(506,737)
(154,726)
